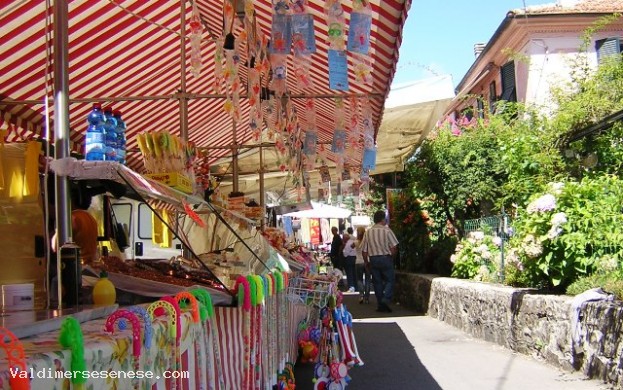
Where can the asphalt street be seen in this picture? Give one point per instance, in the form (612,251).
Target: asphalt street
(407,350)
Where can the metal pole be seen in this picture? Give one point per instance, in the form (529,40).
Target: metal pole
(183,98)
(61,130)
(503,238)
(262,195)
(234,152)
(182,94)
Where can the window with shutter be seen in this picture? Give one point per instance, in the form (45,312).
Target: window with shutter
(480,106)
(492,96)
(607,48)
(508,82)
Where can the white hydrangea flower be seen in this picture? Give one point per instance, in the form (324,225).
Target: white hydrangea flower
(453,259)
(546,202)
(556,187)
(554,232)
(559,219)
(497,241)
(478,235)
(608,264)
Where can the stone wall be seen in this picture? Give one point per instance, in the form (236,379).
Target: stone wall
(413,290)
(526,322)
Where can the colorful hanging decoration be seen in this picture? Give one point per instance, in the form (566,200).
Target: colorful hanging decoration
(369,159)
(311,140)
(16,359)
(359,27)
(362,65)
(279,65)
(339,133)
(339,141)
(338,70)
(302,67)
(219,72)
(303,36)
(232,81)
(369,147)
(255,103)
(325,175)
(193,214)
(336,22)
(280,33)
(196,30)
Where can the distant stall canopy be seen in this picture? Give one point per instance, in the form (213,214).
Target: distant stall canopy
(411,112)
(320,210)
(166,65)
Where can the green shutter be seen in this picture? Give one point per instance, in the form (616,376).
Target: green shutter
(508,82)
(607,48)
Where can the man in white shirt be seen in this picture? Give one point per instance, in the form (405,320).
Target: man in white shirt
(379,247)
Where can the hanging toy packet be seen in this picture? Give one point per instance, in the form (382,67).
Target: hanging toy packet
(280,35)
(359,28)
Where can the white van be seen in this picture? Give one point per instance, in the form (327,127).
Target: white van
(136,219)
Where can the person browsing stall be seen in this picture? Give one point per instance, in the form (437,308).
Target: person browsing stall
(361,271)
(350,255)
(336,249)
(379,248)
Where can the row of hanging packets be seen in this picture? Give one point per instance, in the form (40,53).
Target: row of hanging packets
(369,147)
(311,134)
(280,43)
(339,134)
(338,62)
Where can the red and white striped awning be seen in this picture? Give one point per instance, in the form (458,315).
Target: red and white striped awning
(126,53)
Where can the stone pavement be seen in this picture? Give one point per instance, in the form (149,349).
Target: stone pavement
(404,350)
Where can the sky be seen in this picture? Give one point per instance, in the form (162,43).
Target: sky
(439,35)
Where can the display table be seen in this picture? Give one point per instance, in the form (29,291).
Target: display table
(105,353)
(216,354)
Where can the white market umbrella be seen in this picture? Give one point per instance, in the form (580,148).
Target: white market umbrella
(321,210)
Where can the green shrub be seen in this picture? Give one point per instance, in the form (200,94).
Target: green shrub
(611,282)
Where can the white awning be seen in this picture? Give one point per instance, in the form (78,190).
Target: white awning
(321,210)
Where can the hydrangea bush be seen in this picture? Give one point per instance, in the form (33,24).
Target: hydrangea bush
(477,257)
(565,232)
(568,231)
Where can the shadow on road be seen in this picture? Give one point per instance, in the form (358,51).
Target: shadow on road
(390,362)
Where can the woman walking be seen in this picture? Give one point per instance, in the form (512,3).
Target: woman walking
(361,271)
(350,255)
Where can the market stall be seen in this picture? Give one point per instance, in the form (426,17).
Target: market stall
(238,79)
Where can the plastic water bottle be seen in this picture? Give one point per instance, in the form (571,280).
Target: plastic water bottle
(120,137)
(110,135)
(94,141)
